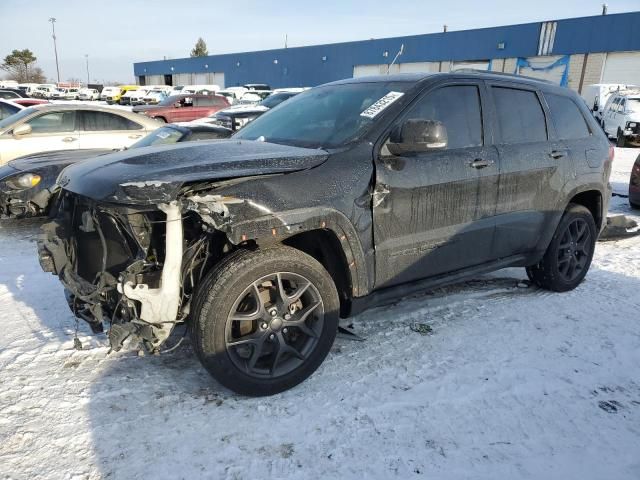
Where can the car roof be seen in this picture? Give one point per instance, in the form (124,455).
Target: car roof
(141,119)
(462,73)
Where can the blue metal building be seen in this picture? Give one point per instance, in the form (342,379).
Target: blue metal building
(572,52)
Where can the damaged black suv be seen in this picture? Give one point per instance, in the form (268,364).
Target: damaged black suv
(346,196)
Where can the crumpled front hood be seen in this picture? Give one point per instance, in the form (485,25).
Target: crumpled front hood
(156,174)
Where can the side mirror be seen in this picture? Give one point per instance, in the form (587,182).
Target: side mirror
(417,136)
(595,108)
(22,130)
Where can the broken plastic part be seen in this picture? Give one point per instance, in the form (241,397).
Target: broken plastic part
(160,305)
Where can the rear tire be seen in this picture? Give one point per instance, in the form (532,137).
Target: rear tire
(634,205)
(161,119)
(263,321)
(620,140)
(569,255)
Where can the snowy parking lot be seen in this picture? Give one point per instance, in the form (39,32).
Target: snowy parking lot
(501,381)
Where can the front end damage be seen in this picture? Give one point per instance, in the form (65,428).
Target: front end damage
(133,269)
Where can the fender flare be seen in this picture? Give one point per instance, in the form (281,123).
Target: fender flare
(278,226)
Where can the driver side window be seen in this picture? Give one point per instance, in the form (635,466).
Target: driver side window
(457,107)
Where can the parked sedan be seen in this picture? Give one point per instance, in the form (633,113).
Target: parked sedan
(27,183)
(43,128)
(88,94)
(184,108)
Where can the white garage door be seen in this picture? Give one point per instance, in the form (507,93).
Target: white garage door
(477,65)
(154,80)
(368,70)
(381,69)
(544,69)
(182,79)
(623,67)
(418,67)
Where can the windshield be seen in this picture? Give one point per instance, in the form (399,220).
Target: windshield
(633,104)
(325,117)
(276,99)
(7,122)
(161,136)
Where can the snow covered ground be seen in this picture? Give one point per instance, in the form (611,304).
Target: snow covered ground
(511,383)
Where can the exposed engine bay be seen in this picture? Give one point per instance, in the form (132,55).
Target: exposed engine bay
(134,269)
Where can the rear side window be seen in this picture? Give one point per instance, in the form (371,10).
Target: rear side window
(520,115)
(54,122)
(209,101)
(7,110)
(458,108)
(569,122)
(104,121)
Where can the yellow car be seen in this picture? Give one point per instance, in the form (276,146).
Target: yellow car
(117,95)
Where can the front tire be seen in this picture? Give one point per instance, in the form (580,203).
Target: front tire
(620,140)
(264,320)
(569,255)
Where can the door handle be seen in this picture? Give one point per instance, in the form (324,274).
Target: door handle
(556,154)
(69,139)
(135,136)
(480,163)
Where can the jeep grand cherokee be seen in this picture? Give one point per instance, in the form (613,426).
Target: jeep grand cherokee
(346,196)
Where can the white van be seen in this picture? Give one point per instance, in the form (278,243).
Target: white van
(596,96)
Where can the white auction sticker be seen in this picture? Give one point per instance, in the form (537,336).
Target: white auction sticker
(381,104)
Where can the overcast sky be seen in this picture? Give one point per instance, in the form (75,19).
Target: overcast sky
(117,33)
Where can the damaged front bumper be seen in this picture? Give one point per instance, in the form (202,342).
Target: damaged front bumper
(132,269)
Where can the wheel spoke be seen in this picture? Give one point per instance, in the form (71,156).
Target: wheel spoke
(582,227)
(283,349)
(564,260)
(256,353)
(289,299)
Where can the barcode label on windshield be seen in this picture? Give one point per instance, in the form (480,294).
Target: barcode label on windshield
(381,104)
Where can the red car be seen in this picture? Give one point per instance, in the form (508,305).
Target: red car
(28,102)
(184,108)
(634,185)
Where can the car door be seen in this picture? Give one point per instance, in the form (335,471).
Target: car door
(99,129)
(609,116)
(433,211)
(184,112)
(55,130)
(530,167)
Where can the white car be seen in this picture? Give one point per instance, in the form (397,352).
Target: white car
(136,97)
(109,92)
(200,89)
(88,94)
(153,97)
(44,91)
(64,94)
(50,127)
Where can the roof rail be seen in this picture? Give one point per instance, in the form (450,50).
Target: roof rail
(501,74)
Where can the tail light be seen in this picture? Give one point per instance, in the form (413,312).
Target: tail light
(612,152)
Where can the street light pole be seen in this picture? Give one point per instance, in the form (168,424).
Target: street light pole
(86,56)
(55,47)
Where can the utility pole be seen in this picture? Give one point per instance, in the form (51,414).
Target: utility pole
(55,47)
(86,57)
